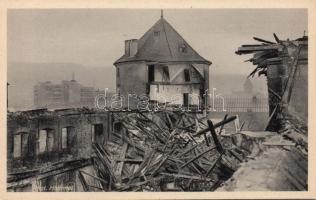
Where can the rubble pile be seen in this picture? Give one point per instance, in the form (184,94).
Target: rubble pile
(272,53)
(164,151)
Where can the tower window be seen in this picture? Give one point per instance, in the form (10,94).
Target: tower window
(183,48)
(185,99)
(165,71)
(151,73)
(187,77)
(156,33)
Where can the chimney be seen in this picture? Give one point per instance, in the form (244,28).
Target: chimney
(131,47)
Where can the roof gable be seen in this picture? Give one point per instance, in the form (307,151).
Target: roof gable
(162,43)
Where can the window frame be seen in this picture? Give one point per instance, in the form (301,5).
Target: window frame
(93,131)
(62,138)
(187,75)
(49,134)
(14,145)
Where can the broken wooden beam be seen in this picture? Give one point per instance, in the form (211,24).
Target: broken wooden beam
(213,133)
(197,157)
(229,119)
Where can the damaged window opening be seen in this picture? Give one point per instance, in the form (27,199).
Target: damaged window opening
(97,132)
(151,73)
(187,77)
(42,141)
(25,143)
(156,33)
(64,138)
(45,141)
(20,144)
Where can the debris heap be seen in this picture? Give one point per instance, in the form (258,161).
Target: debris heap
(164,151)
(284,63)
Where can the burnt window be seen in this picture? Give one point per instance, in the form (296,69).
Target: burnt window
(42,141)
(165,73)
(50,141)
(151,73)
(64,137)
(25,143)
(45,140)
(187,77)
(183,48)
(97,132)
(20,144)
(185,99)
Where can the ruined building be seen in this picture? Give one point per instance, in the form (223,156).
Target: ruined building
(162,66)
(83,149)
(283,166)
(285,64)
(46,148)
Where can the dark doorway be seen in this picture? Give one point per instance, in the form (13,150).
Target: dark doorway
(185,99)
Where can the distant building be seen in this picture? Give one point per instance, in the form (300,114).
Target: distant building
(164,67)
(65,95)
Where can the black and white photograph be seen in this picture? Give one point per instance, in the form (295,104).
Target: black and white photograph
(157,100)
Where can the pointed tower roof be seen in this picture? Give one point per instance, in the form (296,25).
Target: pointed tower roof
(162,43)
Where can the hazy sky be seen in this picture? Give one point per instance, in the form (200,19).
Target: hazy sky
(95,37)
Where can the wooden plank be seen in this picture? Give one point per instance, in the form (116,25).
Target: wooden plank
(241,50)
(95,177)
(214,164)
(122,156)
(213,133)
(197,157)
(83,182)
(229,119)
(133,161)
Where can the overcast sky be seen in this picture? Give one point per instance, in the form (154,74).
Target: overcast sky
(95,37)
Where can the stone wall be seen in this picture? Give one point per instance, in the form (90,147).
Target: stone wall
(26,153)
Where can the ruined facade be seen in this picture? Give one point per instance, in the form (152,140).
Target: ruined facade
(162,66)
(46,148)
